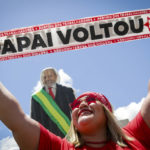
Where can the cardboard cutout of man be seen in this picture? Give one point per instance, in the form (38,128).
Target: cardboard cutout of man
(50,105)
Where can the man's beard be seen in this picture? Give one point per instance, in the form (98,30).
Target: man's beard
(49,84)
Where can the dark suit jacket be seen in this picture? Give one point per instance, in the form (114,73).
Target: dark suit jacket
(64,96)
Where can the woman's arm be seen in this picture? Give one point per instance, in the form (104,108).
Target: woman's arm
(25,130)
(145,109)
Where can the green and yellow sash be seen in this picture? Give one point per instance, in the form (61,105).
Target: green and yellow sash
(52,110)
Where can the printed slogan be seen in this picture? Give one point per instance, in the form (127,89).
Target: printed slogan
(74,34)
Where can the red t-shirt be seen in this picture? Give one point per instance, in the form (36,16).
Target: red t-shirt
(137,128)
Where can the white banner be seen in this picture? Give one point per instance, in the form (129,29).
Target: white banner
(74,34)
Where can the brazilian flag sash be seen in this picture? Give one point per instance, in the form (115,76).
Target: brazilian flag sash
(52,110)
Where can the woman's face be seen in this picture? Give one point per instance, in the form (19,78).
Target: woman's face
(89,117)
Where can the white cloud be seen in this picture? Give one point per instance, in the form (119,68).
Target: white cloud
(65,79)
(8,143)
(128,112)
(37,87)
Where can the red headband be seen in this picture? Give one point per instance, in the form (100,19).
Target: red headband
(97,96)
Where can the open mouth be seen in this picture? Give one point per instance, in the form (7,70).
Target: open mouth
(85,112)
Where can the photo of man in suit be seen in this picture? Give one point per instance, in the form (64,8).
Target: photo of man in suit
(50,105)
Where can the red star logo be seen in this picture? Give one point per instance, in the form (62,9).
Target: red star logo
(148,23)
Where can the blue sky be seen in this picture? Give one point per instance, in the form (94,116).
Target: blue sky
(120,71)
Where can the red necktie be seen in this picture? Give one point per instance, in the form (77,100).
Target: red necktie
(51,93)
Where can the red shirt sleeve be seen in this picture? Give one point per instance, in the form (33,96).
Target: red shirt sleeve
(48,141)
(138,129)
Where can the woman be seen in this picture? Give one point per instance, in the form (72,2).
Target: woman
(93,126)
